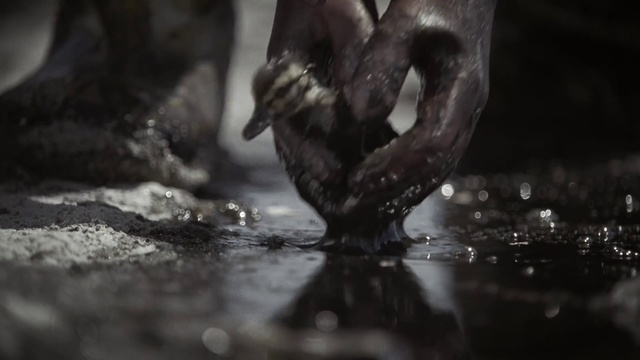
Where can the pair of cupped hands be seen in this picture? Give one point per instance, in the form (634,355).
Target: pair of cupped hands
(445,41)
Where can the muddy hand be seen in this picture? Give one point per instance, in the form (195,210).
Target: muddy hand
(315,32)
(313,51)
(447,42)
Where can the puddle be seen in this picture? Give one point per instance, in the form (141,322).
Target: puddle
(505,266)
(499,270)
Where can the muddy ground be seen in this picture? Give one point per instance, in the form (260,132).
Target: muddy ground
(507,266)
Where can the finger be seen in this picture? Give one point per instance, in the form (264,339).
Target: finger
(348,25)
(301,26)
(422,158)
(454,73)
(402,175)
(454,89)
(385,61)
(297,28)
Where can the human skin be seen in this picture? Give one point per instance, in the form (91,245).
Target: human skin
(446,42)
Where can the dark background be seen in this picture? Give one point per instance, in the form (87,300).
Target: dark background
(564,84)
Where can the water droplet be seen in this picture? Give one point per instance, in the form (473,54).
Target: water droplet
(492,259)
(528,271)
(483,195)
(619,253)
(387,263)
(525,191)
(584,242)
(326,321)
(447,190)
(544,217)
(216,340)
(168,194)
(516,239)
(314,345)
(552,311)
(470,254)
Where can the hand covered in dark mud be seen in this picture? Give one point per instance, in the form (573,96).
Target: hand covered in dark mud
(339,147)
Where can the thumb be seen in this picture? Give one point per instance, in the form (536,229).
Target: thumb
(348,25)
(385,61)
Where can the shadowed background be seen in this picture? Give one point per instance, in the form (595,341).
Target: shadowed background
(562,81)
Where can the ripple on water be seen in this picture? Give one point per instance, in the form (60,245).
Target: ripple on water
(443,251)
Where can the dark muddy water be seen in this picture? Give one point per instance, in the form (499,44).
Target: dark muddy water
(505,267)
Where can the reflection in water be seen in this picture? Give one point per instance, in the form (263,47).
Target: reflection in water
(551,275)
(383,301)
(522,265)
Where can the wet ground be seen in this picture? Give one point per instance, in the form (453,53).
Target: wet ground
(506,266)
